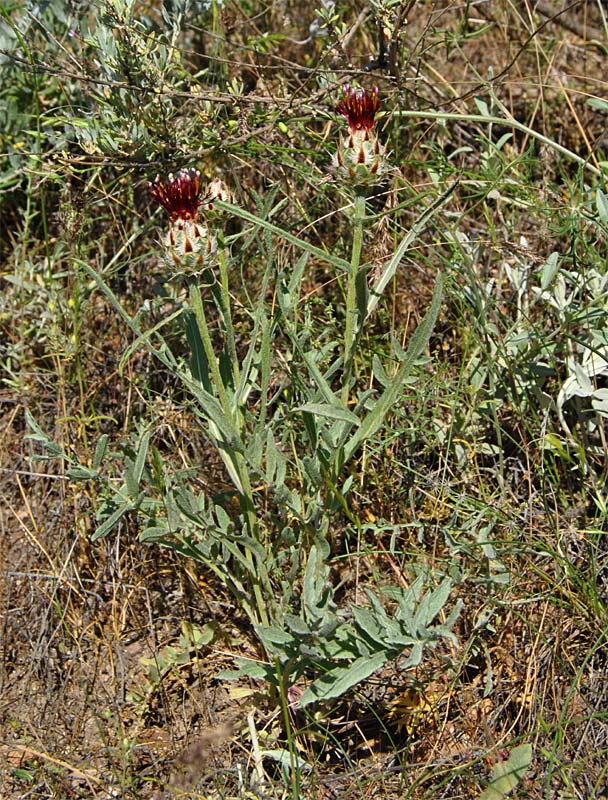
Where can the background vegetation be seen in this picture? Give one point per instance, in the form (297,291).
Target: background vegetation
(486,482)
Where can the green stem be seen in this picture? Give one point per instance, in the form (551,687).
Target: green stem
(509,122)
(351,327)
(258,569)
(226,308)
(203,329)
(285,675)
(301,244)
(258,572)
(260,613)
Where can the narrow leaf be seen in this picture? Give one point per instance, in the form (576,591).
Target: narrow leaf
(549,270)
(431,604)
(482,106)
(145,339)
(295,281)
(297,625)
(245,667)
(331,412)
(199,363)
(100,451)
(601,202)
(328,258)
(340,679)
(142,454)
(319,380)
(286,760)
(80,473)
(379,372)
(389,271)
(391,394)
(110,522)
(368,626)
(270,637)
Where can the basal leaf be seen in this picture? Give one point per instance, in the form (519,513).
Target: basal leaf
(506,775)
(340,679)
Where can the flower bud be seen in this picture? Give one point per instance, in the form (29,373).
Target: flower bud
(216,190)
(360,156)
(189,246)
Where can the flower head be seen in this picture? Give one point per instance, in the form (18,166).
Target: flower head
(180,195)
(360,157)
(359,107)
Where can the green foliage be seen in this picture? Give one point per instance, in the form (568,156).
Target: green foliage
(350,647)
(243,548)
(251,553)
(418,375)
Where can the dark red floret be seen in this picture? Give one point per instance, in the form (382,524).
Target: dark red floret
(180,195)
(360,107)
